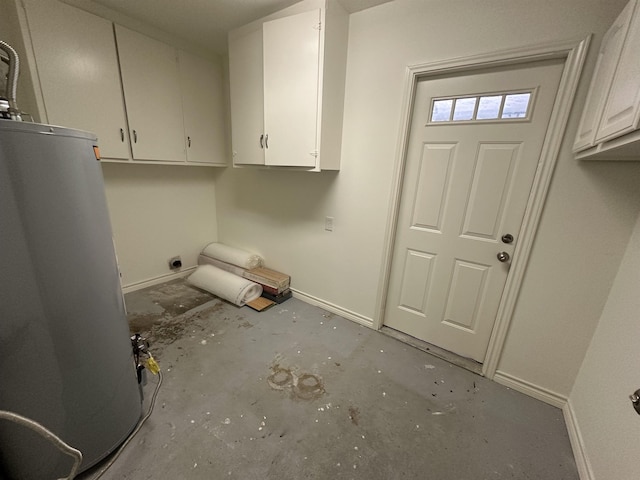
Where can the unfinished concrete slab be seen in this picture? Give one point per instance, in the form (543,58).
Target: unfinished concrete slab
(296,392)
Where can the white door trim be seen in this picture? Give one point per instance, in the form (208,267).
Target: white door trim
(574,53)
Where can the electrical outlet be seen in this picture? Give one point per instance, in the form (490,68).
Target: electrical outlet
(328,224)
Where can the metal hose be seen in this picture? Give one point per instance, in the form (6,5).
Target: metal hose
(49,435)
(12,78)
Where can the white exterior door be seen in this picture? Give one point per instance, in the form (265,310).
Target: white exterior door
(473,151)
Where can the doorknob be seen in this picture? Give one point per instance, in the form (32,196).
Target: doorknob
(503,256)
(507,238)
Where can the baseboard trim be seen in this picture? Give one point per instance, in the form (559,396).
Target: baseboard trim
(132,287)
(330,307)
(535,391)
(577,443)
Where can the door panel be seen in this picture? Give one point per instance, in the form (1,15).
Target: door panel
(415,282)
(432,182)
(492,181)
(466,184)
(467,290)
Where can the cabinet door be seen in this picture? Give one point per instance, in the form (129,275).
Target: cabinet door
(201,86)
(291,74)
(608,57)
(151,84)
(247,110)
(622,106)
(78,69)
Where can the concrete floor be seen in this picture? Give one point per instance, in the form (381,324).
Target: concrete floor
(296,392)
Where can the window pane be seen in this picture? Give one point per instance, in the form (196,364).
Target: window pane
(464,109)
(515,106)
(441,110)
(489,107)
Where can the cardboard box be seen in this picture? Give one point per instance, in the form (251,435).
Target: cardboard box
(270,278)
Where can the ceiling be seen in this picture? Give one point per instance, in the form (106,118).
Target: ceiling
(206,22)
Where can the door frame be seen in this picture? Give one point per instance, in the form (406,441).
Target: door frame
(574,53)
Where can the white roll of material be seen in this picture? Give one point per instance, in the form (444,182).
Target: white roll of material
(232,255)
(227,267)
(232,288)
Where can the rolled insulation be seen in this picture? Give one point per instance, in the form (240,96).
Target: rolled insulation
(232,255)
(225,285)
(227,267)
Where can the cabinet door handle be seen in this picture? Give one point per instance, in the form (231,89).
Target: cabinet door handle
(121,135)
(189,141)
(262,141)
(266,141)
(135,137)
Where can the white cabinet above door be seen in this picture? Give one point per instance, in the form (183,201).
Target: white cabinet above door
(78,71)
(151,84)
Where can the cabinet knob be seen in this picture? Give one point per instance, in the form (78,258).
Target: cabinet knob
(122,135)
(266,141)
(135,137)
(189,141)
(262,141)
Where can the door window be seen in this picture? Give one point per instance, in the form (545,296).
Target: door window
(507,106)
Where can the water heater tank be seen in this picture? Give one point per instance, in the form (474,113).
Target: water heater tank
(65,354)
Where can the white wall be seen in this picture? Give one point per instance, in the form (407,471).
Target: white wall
(157,212)
(610,373)
(11,34)
(589,216)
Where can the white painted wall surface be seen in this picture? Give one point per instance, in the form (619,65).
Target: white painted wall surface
(610,373)
(10,32)
(590,213)
(157,212)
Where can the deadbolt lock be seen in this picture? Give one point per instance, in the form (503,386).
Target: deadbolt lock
(507,238)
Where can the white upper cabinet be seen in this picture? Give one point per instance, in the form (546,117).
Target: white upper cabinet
(291,48)
(145,100)
(78,69)
(202,104)
(602,76)
(622,107)
(287,74)
(608,128)
(151,84)
(247,98)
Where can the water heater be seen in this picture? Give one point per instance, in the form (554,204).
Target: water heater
(65,353)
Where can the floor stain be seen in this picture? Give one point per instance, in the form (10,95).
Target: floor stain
(143,322)
(245,324)
(167,330)
(165,307)
(179,297)
(354,415)
(306,386)
(280,379)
